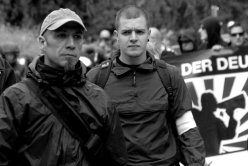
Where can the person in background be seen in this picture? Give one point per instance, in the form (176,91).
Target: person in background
(90,55)
(31,132)
(96,52)
(155,44)
(142,101)
(237,35)
(10,51)
(7,75)
(105,44)
(210,34)
(156,47)
(188,40)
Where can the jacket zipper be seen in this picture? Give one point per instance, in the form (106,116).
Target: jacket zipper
(134,78)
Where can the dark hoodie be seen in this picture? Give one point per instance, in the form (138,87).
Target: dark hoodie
(213,28)
(188,35)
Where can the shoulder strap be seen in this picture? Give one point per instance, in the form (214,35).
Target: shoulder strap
(69,117)
(165,77)
(103,73)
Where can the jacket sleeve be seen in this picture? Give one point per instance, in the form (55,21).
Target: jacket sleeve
(8,77)
(8,131)
(115,141)
(190,141)
(192,148)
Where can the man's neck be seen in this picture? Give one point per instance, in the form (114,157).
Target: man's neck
(124,64)
(129,60)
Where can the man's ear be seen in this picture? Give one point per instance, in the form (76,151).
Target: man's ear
(42,42)
(149,34)
(116,34)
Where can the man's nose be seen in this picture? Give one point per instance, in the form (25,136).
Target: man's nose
(70,42)
(133,36)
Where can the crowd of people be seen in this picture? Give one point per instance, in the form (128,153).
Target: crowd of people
(211,34)
(105,102)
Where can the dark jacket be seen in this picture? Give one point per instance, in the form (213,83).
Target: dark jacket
(30,135)
(7,75)
(142,103)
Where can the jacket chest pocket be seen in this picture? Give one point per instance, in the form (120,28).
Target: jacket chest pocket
(142,116)
(144,125)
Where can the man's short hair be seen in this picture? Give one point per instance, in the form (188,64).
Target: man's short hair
(131,12)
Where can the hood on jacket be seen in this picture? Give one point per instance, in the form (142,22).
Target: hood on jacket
(43,73)
(188,35)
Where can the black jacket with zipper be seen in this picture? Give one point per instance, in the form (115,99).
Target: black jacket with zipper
(30,135)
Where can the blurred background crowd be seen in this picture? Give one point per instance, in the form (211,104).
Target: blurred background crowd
(178,27)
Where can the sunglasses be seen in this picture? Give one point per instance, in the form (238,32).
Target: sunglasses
(236,34)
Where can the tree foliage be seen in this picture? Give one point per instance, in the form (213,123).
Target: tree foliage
(98,14)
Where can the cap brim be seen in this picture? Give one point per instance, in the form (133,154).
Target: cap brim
(64,21)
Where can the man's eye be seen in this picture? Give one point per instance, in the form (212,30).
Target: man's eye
(78,37)
(61,35)
(140,32)
(126,32)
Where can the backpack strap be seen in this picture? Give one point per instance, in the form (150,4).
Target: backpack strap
(165,77)
(103,73)
(69,117)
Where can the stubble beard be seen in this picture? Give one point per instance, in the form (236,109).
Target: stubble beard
(70,64)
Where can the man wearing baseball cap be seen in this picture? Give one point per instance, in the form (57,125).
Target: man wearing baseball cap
(40,116)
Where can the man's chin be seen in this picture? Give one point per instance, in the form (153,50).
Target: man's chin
(69,65)
(134,53)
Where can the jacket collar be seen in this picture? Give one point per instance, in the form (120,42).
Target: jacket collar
(121,70)
(42,73)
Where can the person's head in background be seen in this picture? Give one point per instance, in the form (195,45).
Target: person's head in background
(155,44)
(237,35)
(61,39)
(104,35)
(210,32)
(132,33)
(104,38)
(10,51)
(188,40)
(105,43)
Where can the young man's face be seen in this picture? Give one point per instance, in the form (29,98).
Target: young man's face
(237,36)
(132,36)
(62,47)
